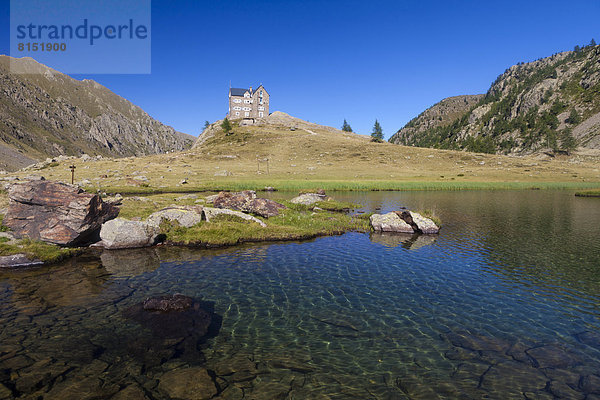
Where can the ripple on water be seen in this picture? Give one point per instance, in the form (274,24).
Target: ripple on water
(485,309)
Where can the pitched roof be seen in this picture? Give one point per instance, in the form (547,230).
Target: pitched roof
(237,91)
(240,92)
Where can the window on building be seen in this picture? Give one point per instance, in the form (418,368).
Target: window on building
(261,108)
(247,114)
(237,100)
(237,113)
(260,114)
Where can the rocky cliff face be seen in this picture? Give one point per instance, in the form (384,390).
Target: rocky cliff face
(45,113)
(440,114)
(547,105)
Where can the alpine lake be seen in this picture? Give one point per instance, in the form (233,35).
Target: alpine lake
(504,303)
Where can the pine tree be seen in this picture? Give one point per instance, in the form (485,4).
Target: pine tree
(377,134)
(592,42)
(577,49)
(206,124)
(574,117)
(226,125)
(346,126)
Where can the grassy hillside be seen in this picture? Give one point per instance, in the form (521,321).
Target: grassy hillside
(44,113)
(320,157)
(552,104)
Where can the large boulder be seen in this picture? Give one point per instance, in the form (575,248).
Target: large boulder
(234,201)
(389,222)
(186,216)
(308,199)
(264,207)
(124,234)
(246,201)
(56,213)
(210,212)
(419,223)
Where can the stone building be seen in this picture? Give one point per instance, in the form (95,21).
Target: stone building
(248,104)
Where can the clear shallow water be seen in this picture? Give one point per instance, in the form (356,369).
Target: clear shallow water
(504,303)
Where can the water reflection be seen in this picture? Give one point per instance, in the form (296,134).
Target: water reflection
(407,241)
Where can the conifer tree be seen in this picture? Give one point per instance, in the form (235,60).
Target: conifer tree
(226,125)
(377,134)
(206,124)
(346,126)
(592,42)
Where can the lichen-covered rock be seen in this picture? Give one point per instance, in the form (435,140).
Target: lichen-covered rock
(389,222)
(186,216)
(246,201)
(124,234)
(308,199)
(418,222)
(235,200)
(56,213)
(263,207)
(210,212)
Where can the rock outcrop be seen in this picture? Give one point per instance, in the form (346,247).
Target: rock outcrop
(419,223)
(209,213)
(124,234)
(390,222)
(403,222)
(246,201)
(185,216)
(45,113)
(56,213)
(308,199)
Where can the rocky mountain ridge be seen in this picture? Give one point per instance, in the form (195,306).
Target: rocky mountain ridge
(44,113)
(552,104)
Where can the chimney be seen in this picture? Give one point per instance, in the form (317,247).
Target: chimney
(250,89)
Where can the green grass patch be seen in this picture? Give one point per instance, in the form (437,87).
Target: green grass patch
(375,185)
(44,252)
(432,215)
(588,193)
(2,227)
(291,224)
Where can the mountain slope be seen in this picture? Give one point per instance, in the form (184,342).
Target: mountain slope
(440,114)
(549,104)
(45,113)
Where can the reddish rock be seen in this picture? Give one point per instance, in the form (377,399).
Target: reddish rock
(263,207)
(246,201)
(234,201)
(56,213)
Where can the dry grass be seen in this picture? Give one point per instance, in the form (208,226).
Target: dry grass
(299,159)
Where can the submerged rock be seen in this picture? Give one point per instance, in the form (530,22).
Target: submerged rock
(175,316)
(56,213)
(177,302)
(389,222)
(188,383)
(124,234)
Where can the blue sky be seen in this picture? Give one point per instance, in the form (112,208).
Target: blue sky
(324,61)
